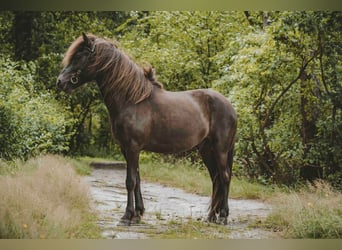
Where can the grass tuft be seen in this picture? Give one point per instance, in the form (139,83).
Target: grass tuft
(194,178)
(313,212)
(48,201)
(192,229)
(181,174)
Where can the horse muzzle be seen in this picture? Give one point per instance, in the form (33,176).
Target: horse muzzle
(59,84)
(63,85)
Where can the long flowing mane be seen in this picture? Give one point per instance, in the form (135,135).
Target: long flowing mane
(118,75)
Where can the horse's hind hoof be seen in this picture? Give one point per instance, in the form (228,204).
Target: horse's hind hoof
(136,219)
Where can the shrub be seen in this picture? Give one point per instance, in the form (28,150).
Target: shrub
(31,122)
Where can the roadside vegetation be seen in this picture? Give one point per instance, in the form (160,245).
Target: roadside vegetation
(63,210)
(44,198)
(193,177)
(192,229)
(315,211)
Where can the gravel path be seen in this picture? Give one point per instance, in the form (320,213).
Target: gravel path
(162,204)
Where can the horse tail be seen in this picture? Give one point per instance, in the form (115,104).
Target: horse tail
(230,163)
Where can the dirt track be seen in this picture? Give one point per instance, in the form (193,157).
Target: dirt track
(162,204)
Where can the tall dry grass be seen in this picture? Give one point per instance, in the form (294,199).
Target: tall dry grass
(313,212)
(50,201)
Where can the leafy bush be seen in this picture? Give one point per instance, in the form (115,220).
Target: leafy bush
(31,122)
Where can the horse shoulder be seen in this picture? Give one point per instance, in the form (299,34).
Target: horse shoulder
(132,124)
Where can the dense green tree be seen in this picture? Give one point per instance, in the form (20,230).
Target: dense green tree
(182,46)
(284,83)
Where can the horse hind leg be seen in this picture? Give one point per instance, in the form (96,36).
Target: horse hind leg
(209,160)
(222,152)
(225,164)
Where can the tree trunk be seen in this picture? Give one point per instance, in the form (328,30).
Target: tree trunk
(310,170)
(23,29)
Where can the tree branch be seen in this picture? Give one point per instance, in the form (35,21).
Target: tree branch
(302,70)
(321,63)
(248,19)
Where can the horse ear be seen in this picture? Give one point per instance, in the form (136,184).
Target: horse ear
(86,40)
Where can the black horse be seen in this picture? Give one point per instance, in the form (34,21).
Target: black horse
(144,116)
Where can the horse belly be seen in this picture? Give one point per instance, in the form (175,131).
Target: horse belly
(174,135)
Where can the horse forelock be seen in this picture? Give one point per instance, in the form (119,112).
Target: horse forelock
(74,47)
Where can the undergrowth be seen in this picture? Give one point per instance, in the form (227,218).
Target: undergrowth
(44,198)
(194,178)
(312,212)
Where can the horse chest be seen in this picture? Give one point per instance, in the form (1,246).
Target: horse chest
(131,127)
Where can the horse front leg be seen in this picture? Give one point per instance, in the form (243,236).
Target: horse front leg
(132,159)
(139,204)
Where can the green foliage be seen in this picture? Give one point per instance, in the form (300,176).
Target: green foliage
(267,134)
(30,123)
(282,71)
(40,39)
(182,46)
(279,82)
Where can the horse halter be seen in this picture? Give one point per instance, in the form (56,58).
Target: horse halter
(76,77)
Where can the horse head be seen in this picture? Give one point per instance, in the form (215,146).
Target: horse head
(77,62)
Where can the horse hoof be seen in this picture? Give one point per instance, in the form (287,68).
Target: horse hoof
(211,219)
(222,221)
(136,219)
(124,222)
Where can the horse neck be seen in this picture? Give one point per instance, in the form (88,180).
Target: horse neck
(114,105)
(121,81)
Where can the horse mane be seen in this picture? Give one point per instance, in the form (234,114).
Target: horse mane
(73,48)
(121,78)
